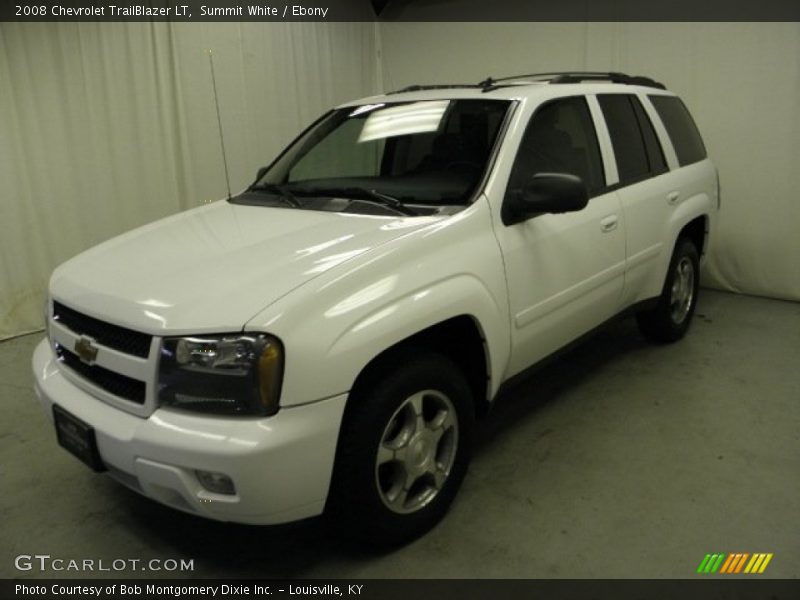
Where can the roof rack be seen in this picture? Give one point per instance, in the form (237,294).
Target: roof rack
(577,77)
(446,86)
(559,77)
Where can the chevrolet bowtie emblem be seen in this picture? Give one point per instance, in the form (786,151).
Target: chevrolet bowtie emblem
(86,350)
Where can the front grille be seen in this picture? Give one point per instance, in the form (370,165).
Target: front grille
(113,336)
(114,383)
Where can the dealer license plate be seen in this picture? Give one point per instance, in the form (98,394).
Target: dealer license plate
(77,437)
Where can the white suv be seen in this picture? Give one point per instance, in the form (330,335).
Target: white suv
(324,340)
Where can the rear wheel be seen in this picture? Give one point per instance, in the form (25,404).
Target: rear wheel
(669,320)
(403,450)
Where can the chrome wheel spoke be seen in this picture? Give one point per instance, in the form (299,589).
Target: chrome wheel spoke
(398,501)
(676,292)
(415,405)
(439,477)
(440,425)
(386,454)
(397,495)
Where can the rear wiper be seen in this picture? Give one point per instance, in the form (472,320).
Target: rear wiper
(279,190)
(374,196)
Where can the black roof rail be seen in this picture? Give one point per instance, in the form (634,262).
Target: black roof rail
(486,85)
(444,86)
(579,76)
(558,77)
(612,77)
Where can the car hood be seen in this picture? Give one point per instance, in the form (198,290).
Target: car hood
(211,269)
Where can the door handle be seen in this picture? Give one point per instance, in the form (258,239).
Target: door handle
(609,223)
(672,197)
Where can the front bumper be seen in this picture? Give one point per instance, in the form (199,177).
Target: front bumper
(281,465)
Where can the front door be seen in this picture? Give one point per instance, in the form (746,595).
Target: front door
(565,272)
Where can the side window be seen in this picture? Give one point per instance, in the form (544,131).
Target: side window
(626,137)
(560,138)
(681,129)
(655,155)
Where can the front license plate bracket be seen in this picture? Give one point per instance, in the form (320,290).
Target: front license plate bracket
(78,438)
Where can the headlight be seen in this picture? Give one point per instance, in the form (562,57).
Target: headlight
(235,374)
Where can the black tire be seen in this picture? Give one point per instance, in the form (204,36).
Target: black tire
(389,498)
(670,319)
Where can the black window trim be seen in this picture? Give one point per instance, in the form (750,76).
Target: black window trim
(480,187)
(651,174)
(592,193)
(665,168)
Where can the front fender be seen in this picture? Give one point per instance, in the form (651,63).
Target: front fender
(388,325)
(333,326)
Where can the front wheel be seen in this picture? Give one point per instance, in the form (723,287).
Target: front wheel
(403,450)
(670,319)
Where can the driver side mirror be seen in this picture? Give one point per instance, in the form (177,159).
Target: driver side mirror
(545,193)
(261,172)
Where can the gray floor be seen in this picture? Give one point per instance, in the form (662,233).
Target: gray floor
(621,459)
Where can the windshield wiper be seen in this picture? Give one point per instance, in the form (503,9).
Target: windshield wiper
(279,190)
(367,195)
(390,201)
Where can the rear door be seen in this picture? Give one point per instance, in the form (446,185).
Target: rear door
(646,190)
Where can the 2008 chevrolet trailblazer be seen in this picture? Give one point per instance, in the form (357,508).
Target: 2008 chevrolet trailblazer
(324,340)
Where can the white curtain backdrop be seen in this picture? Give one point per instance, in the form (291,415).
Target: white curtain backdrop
(741,82)
(104,127)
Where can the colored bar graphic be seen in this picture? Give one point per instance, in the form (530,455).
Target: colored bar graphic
(734,562)
(703,564)
(741,562)
(727,563)
(765,563)
(730,564)
(755,563)
(757,558)
(717,563)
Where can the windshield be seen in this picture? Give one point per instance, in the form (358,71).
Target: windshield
(393,156)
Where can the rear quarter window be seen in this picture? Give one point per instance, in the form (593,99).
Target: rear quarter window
(681,129)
